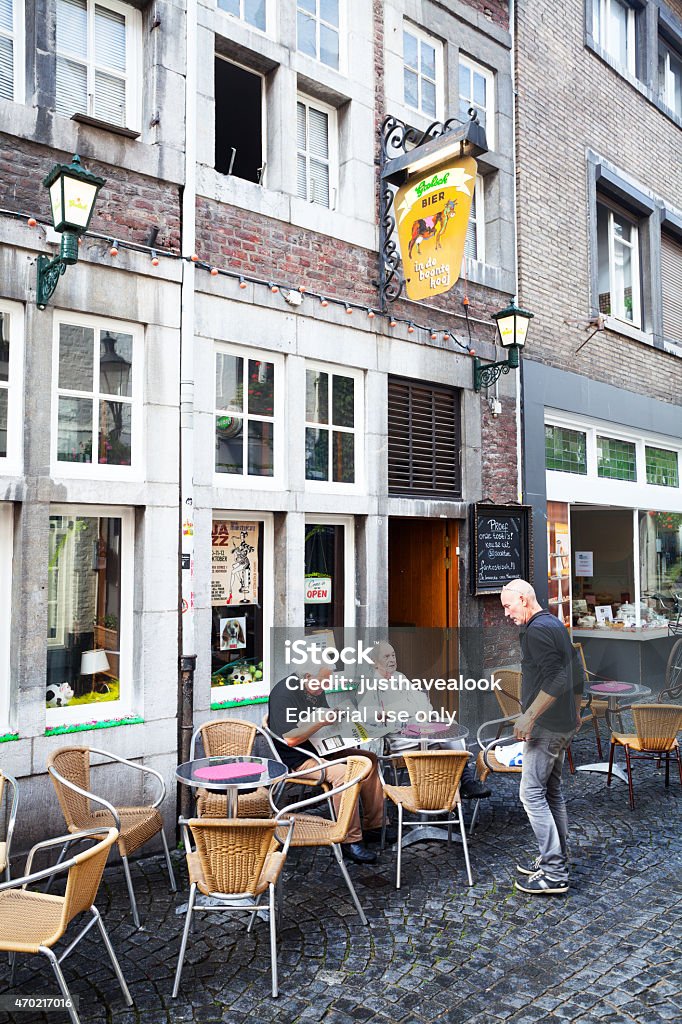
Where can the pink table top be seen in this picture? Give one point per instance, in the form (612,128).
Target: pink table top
(612,687)
(227,772)
(427,729)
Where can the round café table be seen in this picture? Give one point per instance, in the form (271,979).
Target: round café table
(615,692)
(230,775)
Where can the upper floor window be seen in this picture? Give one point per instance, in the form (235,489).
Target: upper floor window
(477,90)
(253,12)
(422,72)
(239,131)
(11,332)
(97,405)
(97,46)
(670,77)
(333,415)
(247,390)
(317,28)
(565,450)
(424,439)
(12,50)
(614,30)
(671,285)
(618,265)
(316,152)
(474,243)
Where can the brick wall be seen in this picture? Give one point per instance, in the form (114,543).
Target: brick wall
(128,206)
(570,100)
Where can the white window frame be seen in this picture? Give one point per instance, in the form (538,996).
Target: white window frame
(18,37)
(270,10)
(11,464)
(263,111)
(358,429)
(633,246)
(333,147)
(424,37)
(245,479)
(6,539)
(668,94)
(124,706)
(249,692)
(601,30)
(133,81)
(95,470)
(479,220)
(342,36)
(593,489)
(473,67)
(348,522)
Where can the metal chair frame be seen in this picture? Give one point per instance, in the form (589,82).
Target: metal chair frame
(312,802)
(217,721)
(55,961)
(227,903)
(11,817)
(117,820)
(448,823)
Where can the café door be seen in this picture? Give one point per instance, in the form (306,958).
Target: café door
(423,589)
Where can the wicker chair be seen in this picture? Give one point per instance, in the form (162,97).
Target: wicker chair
(434,776)
(231,737)
(69,768)
(509,699)
(33,922)
(235,861)
(597,708)
(6,844)
(314,830)
(655,737)
(313,777)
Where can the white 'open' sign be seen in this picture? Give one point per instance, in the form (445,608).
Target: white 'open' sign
(318,590)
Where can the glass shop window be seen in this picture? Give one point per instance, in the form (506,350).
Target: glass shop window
(324,576)
(237,572)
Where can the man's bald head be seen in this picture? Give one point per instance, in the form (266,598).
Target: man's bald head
(519,601)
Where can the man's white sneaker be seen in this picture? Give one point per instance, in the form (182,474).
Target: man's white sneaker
(540,884)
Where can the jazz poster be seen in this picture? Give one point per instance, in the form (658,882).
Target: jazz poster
(432,213)
(234,563)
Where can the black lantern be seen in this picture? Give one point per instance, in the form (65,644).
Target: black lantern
(512,326)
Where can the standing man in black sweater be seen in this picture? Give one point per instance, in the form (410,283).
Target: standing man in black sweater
(552,687)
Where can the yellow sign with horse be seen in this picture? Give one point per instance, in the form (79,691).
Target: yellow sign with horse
(433,214)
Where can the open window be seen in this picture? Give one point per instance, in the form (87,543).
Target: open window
(238,121)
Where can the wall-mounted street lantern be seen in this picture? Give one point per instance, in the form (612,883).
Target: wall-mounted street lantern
(512,326)
(73,193)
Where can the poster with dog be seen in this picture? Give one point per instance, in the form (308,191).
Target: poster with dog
(232,634)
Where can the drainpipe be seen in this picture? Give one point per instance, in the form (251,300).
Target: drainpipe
(513,56)
(188,657)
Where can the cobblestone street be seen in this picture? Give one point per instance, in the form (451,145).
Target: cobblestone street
(436,950)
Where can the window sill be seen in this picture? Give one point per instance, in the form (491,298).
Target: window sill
(641,87)
(611,323)
(105,126)
(8,737)
(106,723)
(219,705)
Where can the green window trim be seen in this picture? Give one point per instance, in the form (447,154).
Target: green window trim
(107,723)
(219,705)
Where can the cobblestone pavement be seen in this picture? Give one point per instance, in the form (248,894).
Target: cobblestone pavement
(437,951)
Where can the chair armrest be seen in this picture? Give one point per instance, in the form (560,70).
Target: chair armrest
(86,793)
(46,844)
(302,773)
(313,800)
(138,767)
(186,834)
(12,815)
(495,721)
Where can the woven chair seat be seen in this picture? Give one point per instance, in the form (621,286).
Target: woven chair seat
(3,856)
(249,805)
(495,766)
(633,741)
(29,920)
(312,830)
(138,825)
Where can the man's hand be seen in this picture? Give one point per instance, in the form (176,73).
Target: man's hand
(523,726)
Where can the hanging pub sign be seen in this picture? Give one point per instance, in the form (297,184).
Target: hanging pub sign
(318,590)
(432,212)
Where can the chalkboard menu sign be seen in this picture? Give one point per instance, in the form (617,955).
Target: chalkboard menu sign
(501,535)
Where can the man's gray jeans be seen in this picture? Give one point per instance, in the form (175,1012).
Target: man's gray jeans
(543,801)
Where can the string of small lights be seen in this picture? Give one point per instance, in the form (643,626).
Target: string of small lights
(156,254)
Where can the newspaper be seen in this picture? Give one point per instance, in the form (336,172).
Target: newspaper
(328,739)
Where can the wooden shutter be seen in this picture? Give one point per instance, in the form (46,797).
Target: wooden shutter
(423,439)
(671,282)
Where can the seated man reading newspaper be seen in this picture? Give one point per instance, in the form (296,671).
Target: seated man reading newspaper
(298,712)
(381,705)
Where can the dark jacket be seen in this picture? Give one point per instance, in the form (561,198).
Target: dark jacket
(550,663)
